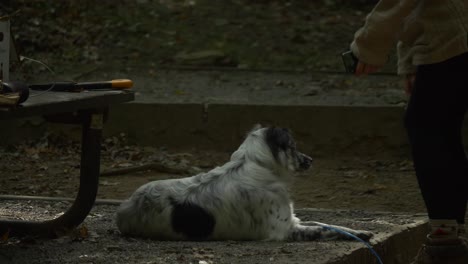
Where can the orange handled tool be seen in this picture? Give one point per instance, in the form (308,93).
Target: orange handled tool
(119,84)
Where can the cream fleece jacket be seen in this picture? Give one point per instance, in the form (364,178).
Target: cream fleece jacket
(425,31)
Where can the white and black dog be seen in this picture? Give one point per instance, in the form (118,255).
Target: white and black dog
(245,199)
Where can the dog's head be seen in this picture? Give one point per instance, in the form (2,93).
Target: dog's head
(275,148)
(283,148)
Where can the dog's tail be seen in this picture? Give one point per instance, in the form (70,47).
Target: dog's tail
(127,218)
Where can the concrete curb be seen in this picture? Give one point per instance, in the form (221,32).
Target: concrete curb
(372,130)
(222,126)
(401,246)
(397,245)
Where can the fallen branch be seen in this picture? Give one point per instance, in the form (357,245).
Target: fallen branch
(150,166)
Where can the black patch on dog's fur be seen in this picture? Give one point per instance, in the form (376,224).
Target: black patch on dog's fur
(192,220)
(278,139)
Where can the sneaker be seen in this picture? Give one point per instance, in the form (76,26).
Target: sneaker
(453,252)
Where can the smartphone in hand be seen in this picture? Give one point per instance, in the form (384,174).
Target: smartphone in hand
(350,61)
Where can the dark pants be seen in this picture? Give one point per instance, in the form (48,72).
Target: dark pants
(433,120)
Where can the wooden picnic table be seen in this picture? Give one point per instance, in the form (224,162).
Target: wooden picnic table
(88,108)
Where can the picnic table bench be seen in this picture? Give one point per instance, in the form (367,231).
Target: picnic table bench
(89,109)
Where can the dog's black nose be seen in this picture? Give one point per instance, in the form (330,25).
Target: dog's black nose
(305,161)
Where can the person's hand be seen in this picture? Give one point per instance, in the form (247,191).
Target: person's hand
(363,68)
(409,83)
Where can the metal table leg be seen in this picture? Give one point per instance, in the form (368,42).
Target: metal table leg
(92,123)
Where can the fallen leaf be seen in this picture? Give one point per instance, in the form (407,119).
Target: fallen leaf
(80,233)
(5,236)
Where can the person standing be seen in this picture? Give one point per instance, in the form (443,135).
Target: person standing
(432,47)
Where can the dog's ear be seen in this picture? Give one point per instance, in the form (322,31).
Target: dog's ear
(278,139)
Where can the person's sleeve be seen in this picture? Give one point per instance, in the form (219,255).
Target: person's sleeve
(372,43)
(405,61)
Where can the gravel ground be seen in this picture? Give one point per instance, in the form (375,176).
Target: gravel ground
(98,240)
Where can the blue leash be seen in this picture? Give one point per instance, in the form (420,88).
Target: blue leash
(358,239)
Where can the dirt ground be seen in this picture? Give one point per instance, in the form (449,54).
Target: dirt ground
(50,167)
(81,36)
(97,241)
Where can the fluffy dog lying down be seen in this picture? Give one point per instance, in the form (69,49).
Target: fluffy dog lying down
(245,199)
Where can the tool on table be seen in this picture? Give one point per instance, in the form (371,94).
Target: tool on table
(13,93)
(80,86)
